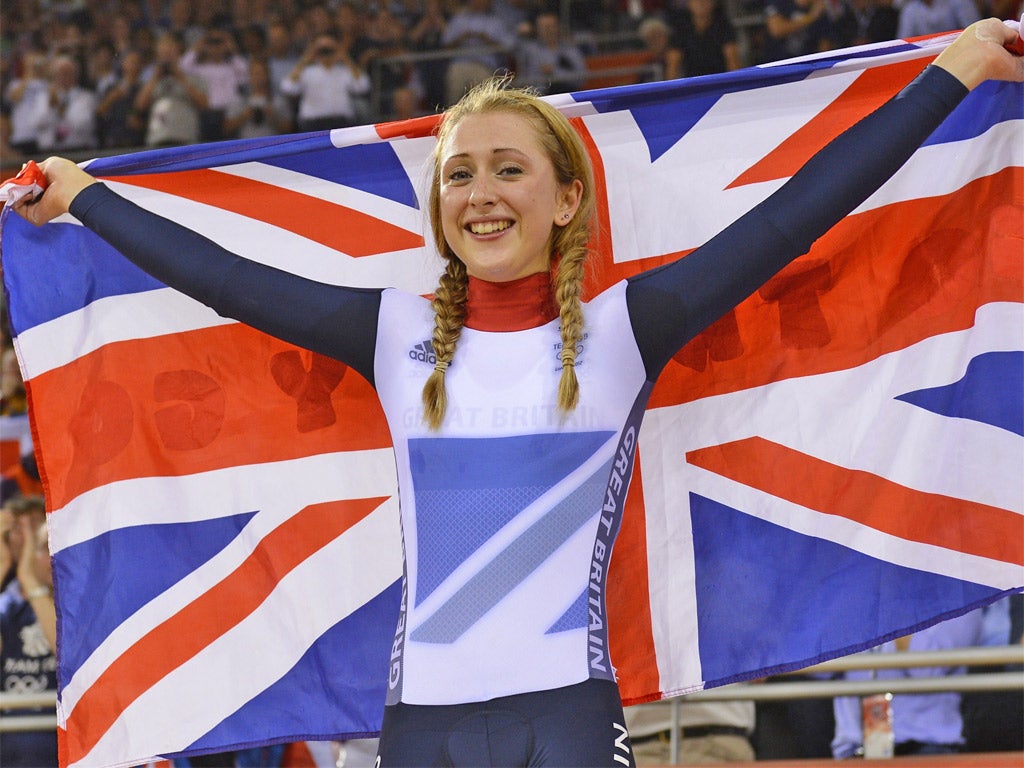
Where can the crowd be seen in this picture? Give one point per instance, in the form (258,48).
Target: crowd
(109,74)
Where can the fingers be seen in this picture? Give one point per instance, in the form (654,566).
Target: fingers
(65,180)
(28,532)
(980,54)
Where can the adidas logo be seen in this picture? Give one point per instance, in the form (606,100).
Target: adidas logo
(424,352)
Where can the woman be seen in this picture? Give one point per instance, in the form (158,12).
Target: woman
(514,407)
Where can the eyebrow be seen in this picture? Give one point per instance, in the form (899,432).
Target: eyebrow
(495,151)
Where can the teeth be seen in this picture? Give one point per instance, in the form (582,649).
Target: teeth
(487,227)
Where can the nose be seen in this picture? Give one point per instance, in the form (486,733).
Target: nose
(482,194)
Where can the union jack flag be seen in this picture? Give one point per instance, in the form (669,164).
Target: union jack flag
(834,463)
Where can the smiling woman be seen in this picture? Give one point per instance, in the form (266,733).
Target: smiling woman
(512,496)
(512,191)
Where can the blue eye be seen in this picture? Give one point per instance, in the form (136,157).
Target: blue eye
(510,170)
(459,174)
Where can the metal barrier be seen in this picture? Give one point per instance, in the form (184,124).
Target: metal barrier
(824,689)
(770,691)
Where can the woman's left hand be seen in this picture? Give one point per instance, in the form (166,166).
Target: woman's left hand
(981,53)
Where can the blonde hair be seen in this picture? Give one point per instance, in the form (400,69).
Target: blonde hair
(567,243)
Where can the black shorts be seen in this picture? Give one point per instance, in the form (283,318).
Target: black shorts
(579,725)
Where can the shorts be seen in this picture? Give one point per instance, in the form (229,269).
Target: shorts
(578,725)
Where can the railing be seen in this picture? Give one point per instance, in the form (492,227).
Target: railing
(988,656)
(771,691)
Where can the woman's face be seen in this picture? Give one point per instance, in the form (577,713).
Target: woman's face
(500,198)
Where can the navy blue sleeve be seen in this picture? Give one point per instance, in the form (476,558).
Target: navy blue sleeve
(336,321)
(671,304)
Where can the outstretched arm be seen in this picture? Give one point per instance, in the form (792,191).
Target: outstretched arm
(671,304)
(336,321)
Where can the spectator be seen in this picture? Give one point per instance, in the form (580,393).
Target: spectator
(101,72)
(863,21)
(21,478)
(26,98)
(349,26)
(259,112)
(252,41)
(406,104)
(215,61)
(794,729)
(327,82)
(144,40)
(925,17)
(992,719)
(173,99)
(665,60)
(706,38)
(121,124)
(710,732)
(792,27)
(281,57)
(516,14)
(121,33)
(68,119)
(548,61)
(180,21)
(426,35)
(385,37)
(922,724)
(27,627)
(474,26)
(10,157)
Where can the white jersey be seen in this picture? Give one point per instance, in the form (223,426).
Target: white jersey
(508,511)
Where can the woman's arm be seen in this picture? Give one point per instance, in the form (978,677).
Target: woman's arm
(671,304)
(336,321)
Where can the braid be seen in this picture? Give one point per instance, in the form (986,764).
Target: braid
(449,314)
(568,289)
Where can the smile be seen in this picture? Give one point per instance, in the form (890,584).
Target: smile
(488,227)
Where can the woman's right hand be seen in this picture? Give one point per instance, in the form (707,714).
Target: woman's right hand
(64,181)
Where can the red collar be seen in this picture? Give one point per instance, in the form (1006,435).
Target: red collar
(512,306)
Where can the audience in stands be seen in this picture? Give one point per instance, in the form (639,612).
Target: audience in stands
(548,59)
(172,72)
(925,17)
(172,99)
(916,724)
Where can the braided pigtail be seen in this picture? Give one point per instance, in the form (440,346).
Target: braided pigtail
(568,290)
(449,315)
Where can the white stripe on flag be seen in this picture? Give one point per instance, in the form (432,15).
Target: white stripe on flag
(413,269)
(108,320)
(362,474)
(941,169)
(398,214)
(222,677)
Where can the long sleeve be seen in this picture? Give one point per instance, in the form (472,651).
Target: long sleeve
(671,304)
(337,321)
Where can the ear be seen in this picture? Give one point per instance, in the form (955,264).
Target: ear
(568,202)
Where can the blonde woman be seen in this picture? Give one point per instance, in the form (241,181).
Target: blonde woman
(514,407)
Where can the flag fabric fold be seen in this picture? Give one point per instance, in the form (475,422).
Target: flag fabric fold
(834,463)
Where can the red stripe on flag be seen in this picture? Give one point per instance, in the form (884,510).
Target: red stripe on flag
(196,626)
(343,229)
(877,283)
(207,399)
(630,633)
(413,128)
(865,498)
(872,88)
